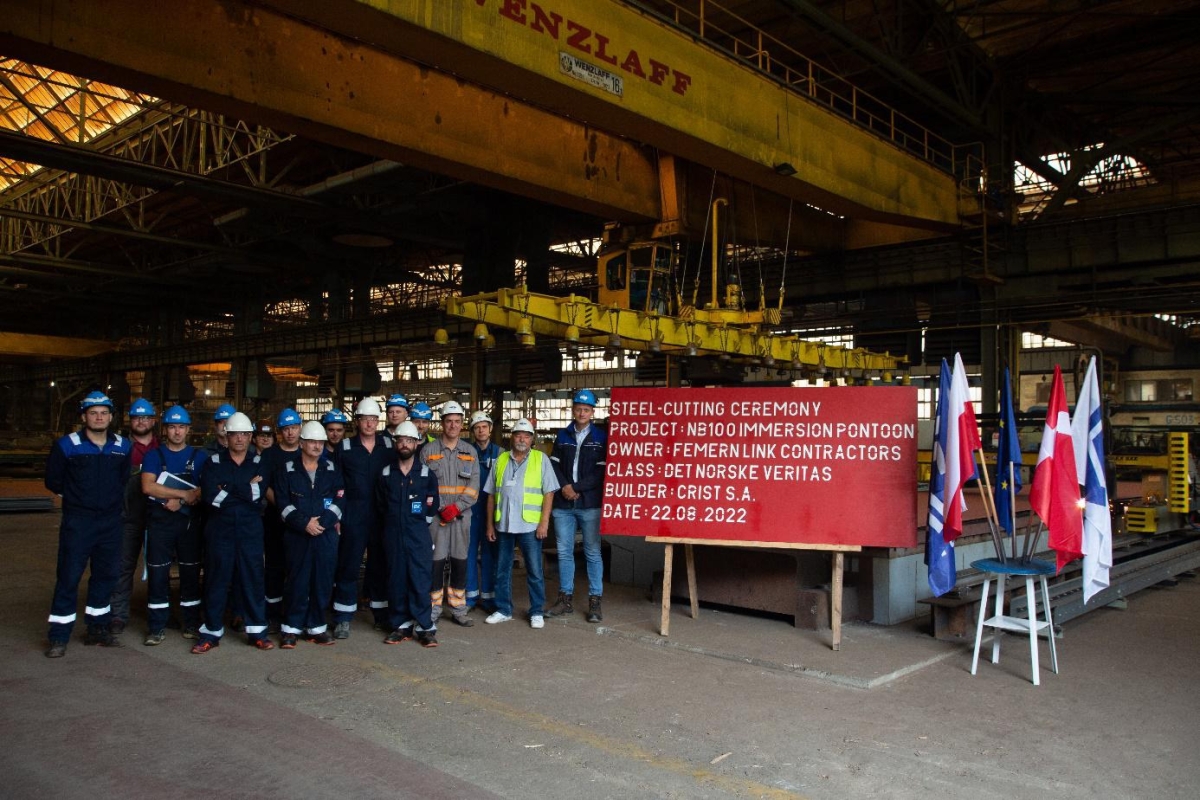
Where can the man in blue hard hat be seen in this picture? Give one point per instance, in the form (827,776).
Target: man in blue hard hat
(171,480)
(396,411)
(90,469)
(335,421)
(422,417)
(142,418)
(287,426)
(578,458)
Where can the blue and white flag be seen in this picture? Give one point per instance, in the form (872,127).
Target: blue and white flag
(1087,431)
(1008,458)
(939,554)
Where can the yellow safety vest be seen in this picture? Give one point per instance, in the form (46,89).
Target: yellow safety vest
(531,508)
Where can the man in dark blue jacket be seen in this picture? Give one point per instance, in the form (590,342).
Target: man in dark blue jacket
(232,490)
(89,468)
(308,490)
(361,458)
(578,459)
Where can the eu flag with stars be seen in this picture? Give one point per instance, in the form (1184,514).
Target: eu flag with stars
(1008,458)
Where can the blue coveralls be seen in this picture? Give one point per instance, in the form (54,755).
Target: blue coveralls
(481,554)
(173,535)
(233,535)
(407,504)
(311,560)
(92,483)
(275,560)
(360,527)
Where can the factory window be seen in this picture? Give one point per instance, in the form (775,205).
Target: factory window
(1158,391)
(1033,341)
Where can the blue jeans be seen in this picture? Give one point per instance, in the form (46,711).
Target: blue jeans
(531,548)
(481,562)
(588,520)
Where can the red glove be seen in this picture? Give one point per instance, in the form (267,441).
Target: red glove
(450,513)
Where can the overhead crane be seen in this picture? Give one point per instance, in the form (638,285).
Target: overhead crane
(640,306)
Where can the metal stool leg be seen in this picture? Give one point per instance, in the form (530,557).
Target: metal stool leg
(987,582)
(1031,609)
(999,615)
(1049,625)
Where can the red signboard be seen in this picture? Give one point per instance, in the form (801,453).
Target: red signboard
(821,466)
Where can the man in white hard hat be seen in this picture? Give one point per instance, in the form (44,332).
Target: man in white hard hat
(361,458)
(308,490)
(454,463)
(520,491)
(408,497)
(234,494)
(481,553)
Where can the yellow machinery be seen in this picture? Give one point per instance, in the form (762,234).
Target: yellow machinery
(1166,496)
(639,308)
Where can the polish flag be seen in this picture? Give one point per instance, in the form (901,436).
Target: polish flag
(1055,492)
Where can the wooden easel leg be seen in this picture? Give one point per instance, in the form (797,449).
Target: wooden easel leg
(835,590)
(668,557)
(691,573)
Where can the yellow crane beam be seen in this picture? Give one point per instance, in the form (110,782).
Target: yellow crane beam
(577,319)
(28,344)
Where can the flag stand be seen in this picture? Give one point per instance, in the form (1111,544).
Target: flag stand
(989,508)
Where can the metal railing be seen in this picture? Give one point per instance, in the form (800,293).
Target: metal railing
(711,24)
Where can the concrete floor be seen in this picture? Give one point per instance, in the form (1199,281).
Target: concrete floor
(730,706)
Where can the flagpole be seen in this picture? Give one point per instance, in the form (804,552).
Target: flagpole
(1012,506)
(989,508)
(1031,544)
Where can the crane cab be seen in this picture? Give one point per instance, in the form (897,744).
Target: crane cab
(638,277)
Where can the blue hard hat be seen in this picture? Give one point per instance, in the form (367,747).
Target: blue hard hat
(335,415)
(95,399)
(224,411)
(142,408)
(422,411)
(585,397)
(288,417)
(397,400)
(177,415)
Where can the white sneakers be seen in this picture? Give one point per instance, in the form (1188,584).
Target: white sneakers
(536,621)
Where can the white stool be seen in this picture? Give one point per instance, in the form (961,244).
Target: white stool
(994,568)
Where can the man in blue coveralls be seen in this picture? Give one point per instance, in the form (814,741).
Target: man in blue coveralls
(407,496)
(308,490)
(89,468)
(361,458)
(231,487)
(171,480)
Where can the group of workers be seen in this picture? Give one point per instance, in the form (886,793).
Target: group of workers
(281,516)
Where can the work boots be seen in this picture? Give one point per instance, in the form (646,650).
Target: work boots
(101,636)
(593,612)
(562,607)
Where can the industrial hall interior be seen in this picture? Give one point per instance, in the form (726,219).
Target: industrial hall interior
(599,398)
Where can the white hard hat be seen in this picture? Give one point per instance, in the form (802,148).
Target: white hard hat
(314,432)
(367,407)
(452,407)
(239,423)
(523,426)
(407,430)
(480,416)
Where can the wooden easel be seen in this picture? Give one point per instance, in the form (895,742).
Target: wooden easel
(835,587)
